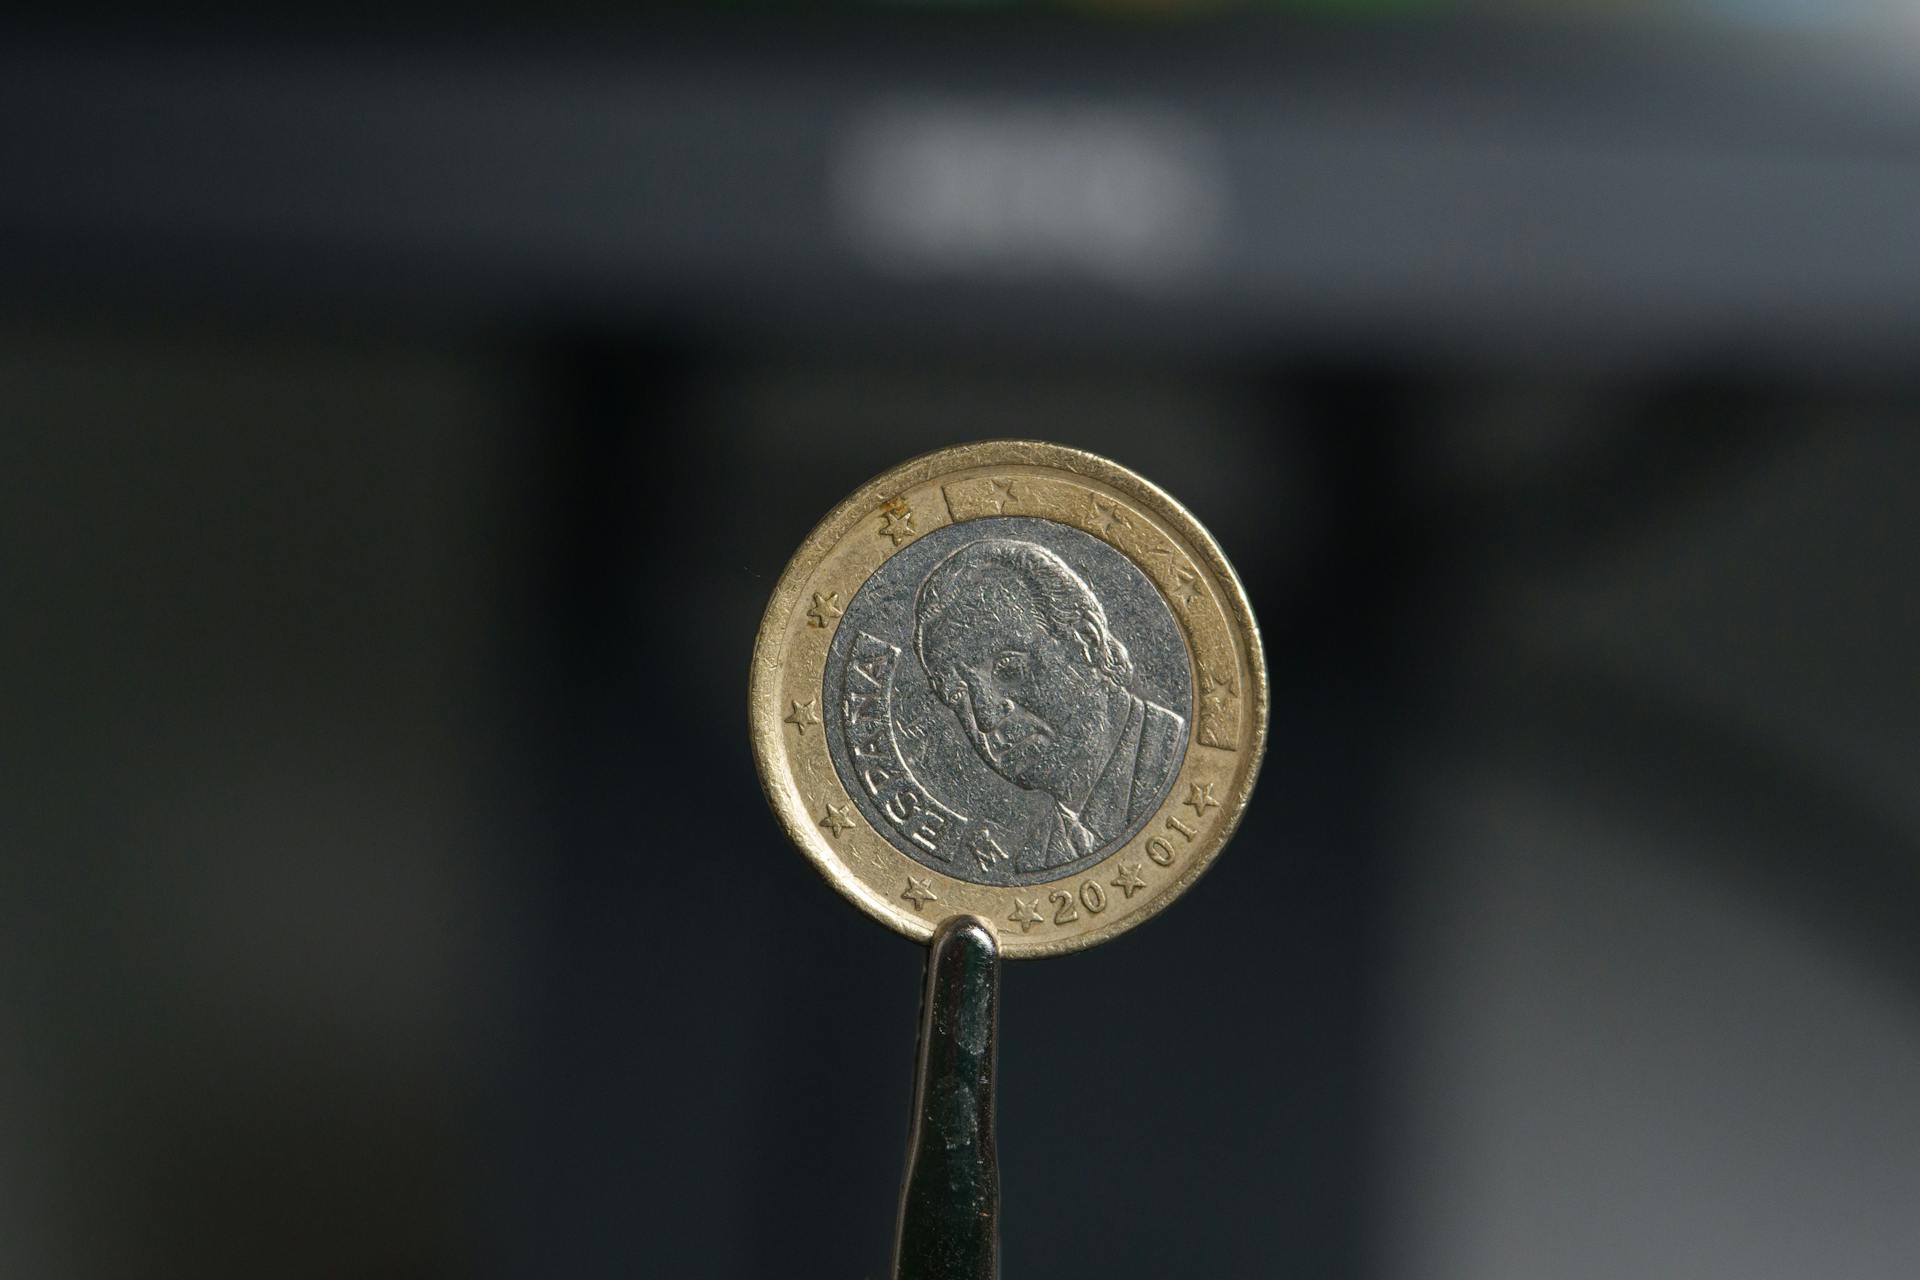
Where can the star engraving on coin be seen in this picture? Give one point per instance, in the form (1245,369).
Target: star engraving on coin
(1000,493)
(1026,913)
(896,521)
(838,819)
(1200,798)
(1215,685)
(1219,715)
(1105,516)
(1187,588)
(802,715)
(1128,881)
(826,607)
(919,891)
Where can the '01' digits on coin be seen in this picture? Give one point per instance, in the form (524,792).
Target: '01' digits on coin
(1010,680)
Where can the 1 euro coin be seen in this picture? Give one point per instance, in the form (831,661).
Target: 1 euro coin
(1010,680)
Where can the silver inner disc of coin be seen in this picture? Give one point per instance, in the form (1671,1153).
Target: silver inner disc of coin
(1008,699)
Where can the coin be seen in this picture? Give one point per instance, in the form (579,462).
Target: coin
(1010,680)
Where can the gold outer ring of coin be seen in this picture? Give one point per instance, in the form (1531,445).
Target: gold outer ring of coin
(1226,736)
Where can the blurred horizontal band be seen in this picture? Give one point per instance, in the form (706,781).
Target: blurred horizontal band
(1605,193)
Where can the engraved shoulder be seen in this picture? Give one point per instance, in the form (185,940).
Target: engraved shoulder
(1162,731)
(1162,734)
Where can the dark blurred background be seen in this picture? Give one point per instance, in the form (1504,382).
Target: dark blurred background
(404,416)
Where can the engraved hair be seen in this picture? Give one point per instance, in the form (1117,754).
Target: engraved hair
(977,574)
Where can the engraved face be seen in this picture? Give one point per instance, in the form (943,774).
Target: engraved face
(1018,648)
(1006,697)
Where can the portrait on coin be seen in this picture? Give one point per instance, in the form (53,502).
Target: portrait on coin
(1017,646)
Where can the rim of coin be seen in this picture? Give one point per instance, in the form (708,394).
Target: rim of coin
(790,711)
